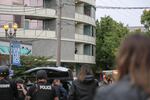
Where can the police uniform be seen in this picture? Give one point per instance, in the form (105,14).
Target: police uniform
(8,90)
(42,91)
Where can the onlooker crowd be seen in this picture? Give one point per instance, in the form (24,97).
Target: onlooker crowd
(131,81)
(134,71)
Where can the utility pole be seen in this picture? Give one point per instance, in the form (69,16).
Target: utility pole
(58,63)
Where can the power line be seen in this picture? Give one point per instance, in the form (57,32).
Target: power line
(112,7)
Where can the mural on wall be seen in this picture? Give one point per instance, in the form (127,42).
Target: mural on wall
(24,50)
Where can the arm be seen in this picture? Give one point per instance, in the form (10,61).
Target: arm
(23,89)
(29,93)
(56,98)
(27,98)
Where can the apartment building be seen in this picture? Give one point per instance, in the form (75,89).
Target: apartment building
(38,25)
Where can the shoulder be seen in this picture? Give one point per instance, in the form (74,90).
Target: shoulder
(117,91)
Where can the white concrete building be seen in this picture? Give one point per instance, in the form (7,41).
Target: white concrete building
(38,20)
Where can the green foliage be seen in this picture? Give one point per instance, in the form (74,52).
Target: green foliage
(108,36)
(28,62)
(145,19)
(33,61)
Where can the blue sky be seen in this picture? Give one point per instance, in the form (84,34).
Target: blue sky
(128,17)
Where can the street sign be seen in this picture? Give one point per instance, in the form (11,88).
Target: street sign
(11,73)
(15,53)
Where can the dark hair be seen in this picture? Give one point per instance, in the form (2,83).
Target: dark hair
(134,59)
(41,74)
(19,80)
(4,71)
(85,70)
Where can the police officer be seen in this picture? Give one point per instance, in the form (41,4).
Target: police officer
(42,90)
(8,90)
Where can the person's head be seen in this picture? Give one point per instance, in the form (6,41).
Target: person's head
(4,71)
(134,60)
(84,71)
(56,82)
(19,80)
(41,75)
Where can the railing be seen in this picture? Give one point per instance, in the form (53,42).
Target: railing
(84,19)
(84,59)
(92,2)
(80,59)
(32,11)
(85,38)
(21,33)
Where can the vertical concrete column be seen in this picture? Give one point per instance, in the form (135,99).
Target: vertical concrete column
(79,8)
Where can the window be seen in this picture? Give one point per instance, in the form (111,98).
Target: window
(26,24)
(17,19)
(87,10)
(87,30)
(87,50)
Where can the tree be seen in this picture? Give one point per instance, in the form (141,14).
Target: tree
(108,37)
(28,62)
(145,19)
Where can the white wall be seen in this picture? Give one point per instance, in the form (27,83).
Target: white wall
(79,28)
(79,8)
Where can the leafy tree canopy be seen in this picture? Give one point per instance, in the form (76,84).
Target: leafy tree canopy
(145,19)
(108,37)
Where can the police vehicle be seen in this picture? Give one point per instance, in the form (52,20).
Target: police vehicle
(61,73)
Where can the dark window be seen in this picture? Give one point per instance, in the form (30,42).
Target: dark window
(17,19)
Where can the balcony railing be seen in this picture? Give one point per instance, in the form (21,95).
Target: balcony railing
(32,11)
(80,59)
(85,38)
(84,19)
(84,59)
(92,2)
(21,33)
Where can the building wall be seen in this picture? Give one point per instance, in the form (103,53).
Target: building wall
(79,8)
(68,29)
(68,8)
(45,45)
(79,48)
(48,48)
(79,28)
(10,2)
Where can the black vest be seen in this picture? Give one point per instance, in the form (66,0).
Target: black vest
(43,92)
(6,90)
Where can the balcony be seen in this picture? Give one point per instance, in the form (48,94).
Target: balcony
(28,11)
(91,2)
(85,38)
(84,19)
(84,59)
(80,59)
(39,34)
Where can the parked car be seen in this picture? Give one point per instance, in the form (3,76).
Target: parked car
(61,73)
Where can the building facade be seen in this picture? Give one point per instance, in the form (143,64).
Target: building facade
(38,25)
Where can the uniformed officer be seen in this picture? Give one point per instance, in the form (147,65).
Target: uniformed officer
(8,90)
(42,90)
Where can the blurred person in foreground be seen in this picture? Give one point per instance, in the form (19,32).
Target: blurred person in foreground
(83,88)
(42,90)
(133,62)
(8,89)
